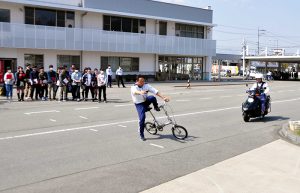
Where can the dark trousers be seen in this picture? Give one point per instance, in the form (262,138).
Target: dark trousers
(44,91)
(109,80)
(35,89)
(87,89)
(141,109)
(262,99)
(102,88)
(75,92)
(120,79)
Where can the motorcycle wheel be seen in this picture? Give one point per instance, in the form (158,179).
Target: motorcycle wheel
(246,117)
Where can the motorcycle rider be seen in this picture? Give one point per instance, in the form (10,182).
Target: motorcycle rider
(261,88)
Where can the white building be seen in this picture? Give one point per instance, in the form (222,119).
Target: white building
(143,36)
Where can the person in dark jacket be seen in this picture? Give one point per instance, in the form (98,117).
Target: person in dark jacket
(43,79)
(63,83)
(27,81)
(87,81)
(52,81)
(20,82)
(34,82)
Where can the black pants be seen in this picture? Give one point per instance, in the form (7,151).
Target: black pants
(109,79)
(35,89)
(120,79)
(102,88)
(44,91)
(75,92)
(87,89)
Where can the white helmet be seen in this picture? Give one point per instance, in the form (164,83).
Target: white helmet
(257,76)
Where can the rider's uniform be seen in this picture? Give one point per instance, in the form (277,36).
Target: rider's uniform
(263,89)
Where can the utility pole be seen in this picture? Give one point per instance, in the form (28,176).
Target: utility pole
(258,36)
(244,53)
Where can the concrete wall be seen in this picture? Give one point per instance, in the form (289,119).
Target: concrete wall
(16,12)
(171,28)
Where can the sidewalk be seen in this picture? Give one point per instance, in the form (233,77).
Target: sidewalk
(273,168)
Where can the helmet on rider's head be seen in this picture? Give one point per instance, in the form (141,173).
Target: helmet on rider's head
(259,76)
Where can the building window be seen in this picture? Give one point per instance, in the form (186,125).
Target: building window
(127,63)
(124,24)
(4,15)
(190,31)
(162,28)
(34,60)
(47,17)
(66,60)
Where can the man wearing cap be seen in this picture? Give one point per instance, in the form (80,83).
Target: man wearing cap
(262,88)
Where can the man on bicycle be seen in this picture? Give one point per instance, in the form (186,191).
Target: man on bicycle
(139,94)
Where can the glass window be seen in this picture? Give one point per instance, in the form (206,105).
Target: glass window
(135,26)
(66,60)
(4,15)
(106,23)
(116,23)
(162,28)
(70,15)
(126,24)
(29,15)
(45,17)
(142,23)
(61,19)
(34,60)
(190,31)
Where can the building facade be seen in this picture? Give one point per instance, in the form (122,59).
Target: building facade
(161,40)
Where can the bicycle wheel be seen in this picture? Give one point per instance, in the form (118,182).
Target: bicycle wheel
(151,128)
(179,132)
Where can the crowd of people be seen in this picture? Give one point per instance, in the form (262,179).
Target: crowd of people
(37,84)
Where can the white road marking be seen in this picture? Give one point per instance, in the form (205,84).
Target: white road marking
(39,112)
(159,146)
(123,105)
(125,122)
(94,130)
(122,126)
(182,100)
(86,108)
(53,120)
(204,98)
(83,117)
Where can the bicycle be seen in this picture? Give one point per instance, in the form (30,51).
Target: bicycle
(178,131)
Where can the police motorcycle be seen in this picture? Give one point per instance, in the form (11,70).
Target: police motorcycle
(251,108)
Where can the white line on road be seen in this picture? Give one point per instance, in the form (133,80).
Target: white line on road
(53,120)
(53,111)
(94,130)
(183,100)
(159,146)
(86,108)
(123,105)
(124,122)
(83,117)
(122,126)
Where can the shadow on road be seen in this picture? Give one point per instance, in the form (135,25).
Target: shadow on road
(171,137)
(270,119)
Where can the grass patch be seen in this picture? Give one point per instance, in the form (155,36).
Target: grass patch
(297,132)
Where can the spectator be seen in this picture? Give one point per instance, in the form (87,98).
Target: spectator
(20,82)
(87,81)
(76,81)
(52,81)
(34,81)
(63,82)
(94,86)
(102,80)
(83,85)
(43,79)
(9,80)
(119,76)
(109,76)
(27,81)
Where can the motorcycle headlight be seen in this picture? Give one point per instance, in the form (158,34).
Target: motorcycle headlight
(250,100)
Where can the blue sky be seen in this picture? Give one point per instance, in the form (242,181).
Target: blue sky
(236,19)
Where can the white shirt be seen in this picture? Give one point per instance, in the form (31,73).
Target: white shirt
(88,80)
(137,98)
(119,72)
(101,78)
(258,85)
(269,73)
(109,72)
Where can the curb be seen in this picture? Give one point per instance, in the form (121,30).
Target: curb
(289,135)
(230,84)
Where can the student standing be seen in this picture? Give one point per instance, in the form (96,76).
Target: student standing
(102,80)
(52,80)
(27,81)
(9,80)
(34,81)
(20,82)
(87,81)
(109,76)
(119,76)
(63,82)
(43,79)
(76,81)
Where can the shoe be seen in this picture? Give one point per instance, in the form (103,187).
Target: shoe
(78,100)
(105,101)
(143,139)
(148,109)
(157,108)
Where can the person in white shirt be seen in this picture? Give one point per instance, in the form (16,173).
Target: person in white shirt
(87,81)
(102,80)
(119,76)
(139,94)
(269,75)
(109,76)
(261,88)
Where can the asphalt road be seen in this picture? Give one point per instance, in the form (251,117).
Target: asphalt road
(89,147)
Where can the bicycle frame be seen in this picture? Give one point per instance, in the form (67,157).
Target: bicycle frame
(169,122)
